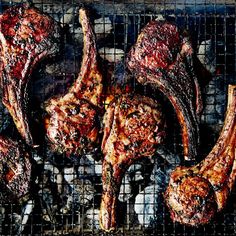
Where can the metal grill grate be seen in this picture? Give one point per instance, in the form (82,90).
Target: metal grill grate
(66,196)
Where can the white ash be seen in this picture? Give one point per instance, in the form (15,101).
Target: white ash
(207,56)
(111,54)
(210,109)
(67,200)
(135,173)
(125,189)
(102,27)
(147,204)
(92,218)
(138,176)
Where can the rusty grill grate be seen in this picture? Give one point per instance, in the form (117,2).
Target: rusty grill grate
(66,195)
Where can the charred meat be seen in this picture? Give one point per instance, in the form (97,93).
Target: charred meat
(15,174)
(162,57)
(26,37)
(195,194)
(133,127)
(73,122)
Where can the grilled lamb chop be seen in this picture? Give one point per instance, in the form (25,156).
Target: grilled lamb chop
(73,119)
(26,37)
(133,127)
(15,166)
(195,194)
(162,57)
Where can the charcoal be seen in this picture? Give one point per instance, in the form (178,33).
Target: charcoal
(160,17)
(98,168)
(147,205)
(26,212)
(171,158)
(54,174)
(77,34)
(92,218)
(158,176)
(69,174)
(119,77)
(111,54)
(86,167)
(2,218)
(82,191)
(213,112)
(61,68)
(136,172)
(16,218)
(48,205)
(69,15)
(5,119)
(55,10)
(207,56)
(67,208)
(125,189)
(20,220)
(103,27)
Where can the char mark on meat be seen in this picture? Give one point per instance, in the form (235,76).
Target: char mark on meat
(73,121)
(15,174)
(26,37)
(133,127)
(195,194)
(162,57)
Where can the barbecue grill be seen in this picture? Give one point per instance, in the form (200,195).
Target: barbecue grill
(66,191)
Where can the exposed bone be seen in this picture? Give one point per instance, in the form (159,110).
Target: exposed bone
(196,194)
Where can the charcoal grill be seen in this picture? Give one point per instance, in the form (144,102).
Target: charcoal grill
(204,20)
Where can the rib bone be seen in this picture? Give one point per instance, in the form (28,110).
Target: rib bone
(26,37)
(73,123)
(195,194)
